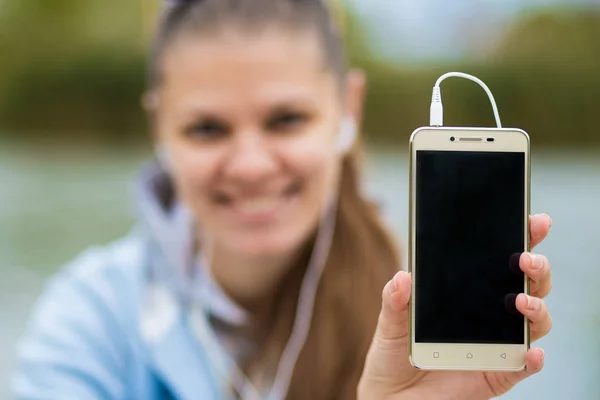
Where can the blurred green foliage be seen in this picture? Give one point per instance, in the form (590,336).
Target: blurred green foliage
(544,73)
(76,69)
(71,69)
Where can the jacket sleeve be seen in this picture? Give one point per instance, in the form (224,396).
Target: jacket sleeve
(74,346)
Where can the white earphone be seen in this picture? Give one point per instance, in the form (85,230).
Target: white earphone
(163,157)
(347,135)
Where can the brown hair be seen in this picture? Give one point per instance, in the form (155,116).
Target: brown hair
(362,257)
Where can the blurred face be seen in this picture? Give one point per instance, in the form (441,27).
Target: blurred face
(250,125)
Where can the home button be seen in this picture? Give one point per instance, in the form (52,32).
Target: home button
(436,355)
(469,355)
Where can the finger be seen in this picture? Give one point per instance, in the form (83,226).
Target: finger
(388,354)
(393,319)
(534,362)
(539,226)
(537,268)
(536,311)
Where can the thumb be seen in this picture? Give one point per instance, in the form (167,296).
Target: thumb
(387,366)
(393,320)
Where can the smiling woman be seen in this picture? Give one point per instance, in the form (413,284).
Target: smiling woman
(257,266)
(253,115)
(249,136)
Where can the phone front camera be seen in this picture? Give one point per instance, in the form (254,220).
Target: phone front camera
(452,138)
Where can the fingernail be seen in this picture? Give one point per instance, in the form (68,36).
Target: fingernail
(532,303)
(535,261)
(393,285)
(550,218)
(543,354)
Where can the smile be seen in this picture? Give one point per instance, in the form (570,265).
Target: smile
(259,209)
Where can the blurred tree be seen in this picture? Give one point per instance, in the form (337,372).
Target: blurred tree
(552,39)
(77,68)
(70,65)
(547,68)
(544,75)
(45,33)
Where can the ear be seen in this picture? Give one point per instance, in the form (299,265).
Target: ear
(150,101)
(356,90)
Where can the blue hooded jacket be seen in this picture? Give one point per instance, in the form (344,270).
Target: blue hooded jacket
(114,324)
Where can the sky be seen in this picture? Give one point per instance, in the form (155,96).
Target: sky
(421,30)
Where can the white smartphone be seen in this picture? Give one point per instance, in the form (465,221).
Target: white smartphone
(469,224)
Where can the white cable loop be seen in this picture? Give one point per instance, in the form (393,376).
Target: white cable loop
(437,111)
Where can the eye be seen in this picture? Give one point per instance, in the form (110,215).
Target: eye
(287,121)
(207,129)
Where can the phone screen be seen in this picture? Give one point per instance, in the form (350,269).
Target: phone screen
(470,216)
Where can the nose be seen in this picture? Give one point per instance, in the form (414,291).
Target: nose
(251,159)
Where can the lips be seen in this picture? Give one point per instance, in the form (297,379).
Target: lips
(259,208)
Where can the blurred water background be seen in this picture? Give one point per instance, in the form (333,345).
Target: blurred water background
(72,137)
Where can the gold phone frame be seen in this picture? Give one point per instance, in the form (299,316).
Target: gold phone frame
(460,356)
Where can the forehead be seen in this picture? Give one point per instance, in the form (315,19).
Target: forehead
(268,65)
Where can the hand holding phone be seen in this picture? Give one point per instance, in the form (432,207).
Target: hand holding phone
(389,373)
(474,302)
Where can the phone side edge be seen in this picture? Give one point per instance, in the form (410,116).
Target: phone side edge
(410,245)
(527,235)
(410,266)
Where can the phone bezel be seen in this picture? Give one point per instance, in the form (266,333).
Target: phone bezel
(454,356)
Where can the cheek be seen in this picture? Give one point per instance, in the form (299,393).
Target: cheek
(316,165)
(314,154)
(192,172)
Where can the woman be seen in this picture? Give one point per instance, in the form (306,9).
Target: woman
(254,213)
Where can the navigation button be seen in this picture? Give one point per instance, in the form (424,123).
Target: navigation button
(469,355)
(436,355)
(503,355)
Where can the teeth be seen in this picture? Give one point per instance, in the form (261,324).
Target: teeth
(257,205)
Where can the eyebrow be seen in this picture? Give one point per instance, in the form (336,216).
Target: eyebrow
(294,104)
(196,109)
(201,109)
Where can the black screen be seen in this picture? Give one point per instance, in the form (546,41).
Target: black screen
(470,209)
